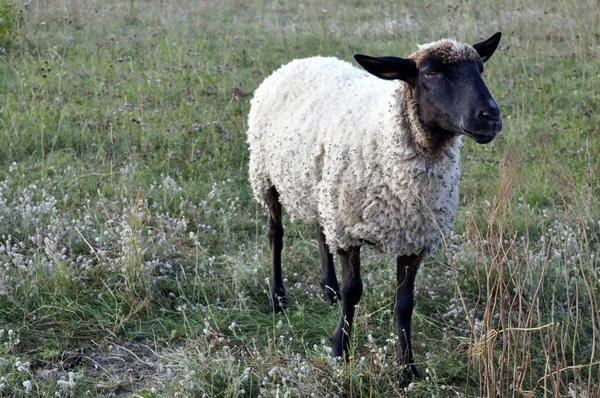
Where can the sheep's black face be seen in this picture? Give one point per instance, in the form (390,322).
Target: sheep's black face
(454,99)
(450,95)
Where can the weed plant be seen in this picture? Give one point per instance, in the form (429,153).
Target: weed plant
(133,258)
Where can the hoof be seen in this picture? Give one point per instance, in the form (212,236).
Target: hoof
(331,296)
(338,353)
(337,348)
(277,304)
(408,374)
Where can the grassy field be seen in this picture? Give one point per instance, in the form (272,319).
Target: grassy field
(133,258)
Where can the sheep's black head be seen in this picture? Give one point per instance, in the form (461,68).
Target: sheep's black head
(447,89)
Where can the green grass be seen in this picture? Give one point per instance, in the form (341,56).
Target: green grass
(133,255)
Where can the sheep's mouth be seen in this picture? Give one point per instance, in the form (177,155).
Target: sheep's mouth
(482,130)
(479,137)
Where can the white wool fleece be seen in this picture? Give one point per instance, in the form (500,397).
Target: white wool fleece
(335,143)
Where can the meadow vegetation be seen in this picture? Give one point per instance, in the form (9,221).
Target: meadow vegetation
(133,258)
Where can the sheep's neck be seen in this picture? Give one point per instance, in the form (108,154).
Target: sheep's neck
(427,142)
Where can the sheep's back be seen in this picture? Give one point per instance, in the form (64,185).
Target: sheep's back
(307,113)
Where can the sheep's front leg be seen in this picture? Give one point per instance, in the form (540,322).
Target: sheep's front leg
(352,288)
(406,271)
(275,232)
(329,283)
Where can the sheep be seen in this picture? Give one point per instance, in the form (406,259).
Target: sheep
(369,158)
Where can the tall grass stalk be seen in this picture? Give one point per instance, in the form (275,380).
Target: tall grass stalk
(511,311)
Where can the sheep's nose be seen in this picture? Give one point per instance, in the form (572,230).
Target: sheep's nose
(489,110)
(491,114)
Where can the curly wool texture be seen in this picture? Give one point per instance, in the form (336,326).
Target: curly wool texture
(346,150)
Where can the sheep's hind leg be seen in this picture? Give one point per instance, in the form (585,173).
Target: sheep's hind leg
(406,271)
(275,232)
(329,283)
(352,288)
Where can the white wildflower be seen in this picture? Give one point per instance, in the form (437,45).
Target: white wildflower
(28,386)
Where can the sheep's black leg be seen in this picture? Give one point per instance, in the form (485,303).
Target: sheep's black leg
(352,288)
(407,267)
(329,283)
(275,232)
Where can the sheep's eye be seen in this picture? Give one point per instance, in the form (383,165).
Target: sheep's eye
(430,74)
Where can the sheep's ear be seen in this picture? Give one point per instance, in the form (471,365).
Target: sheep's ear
(486,48)
(389,68)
